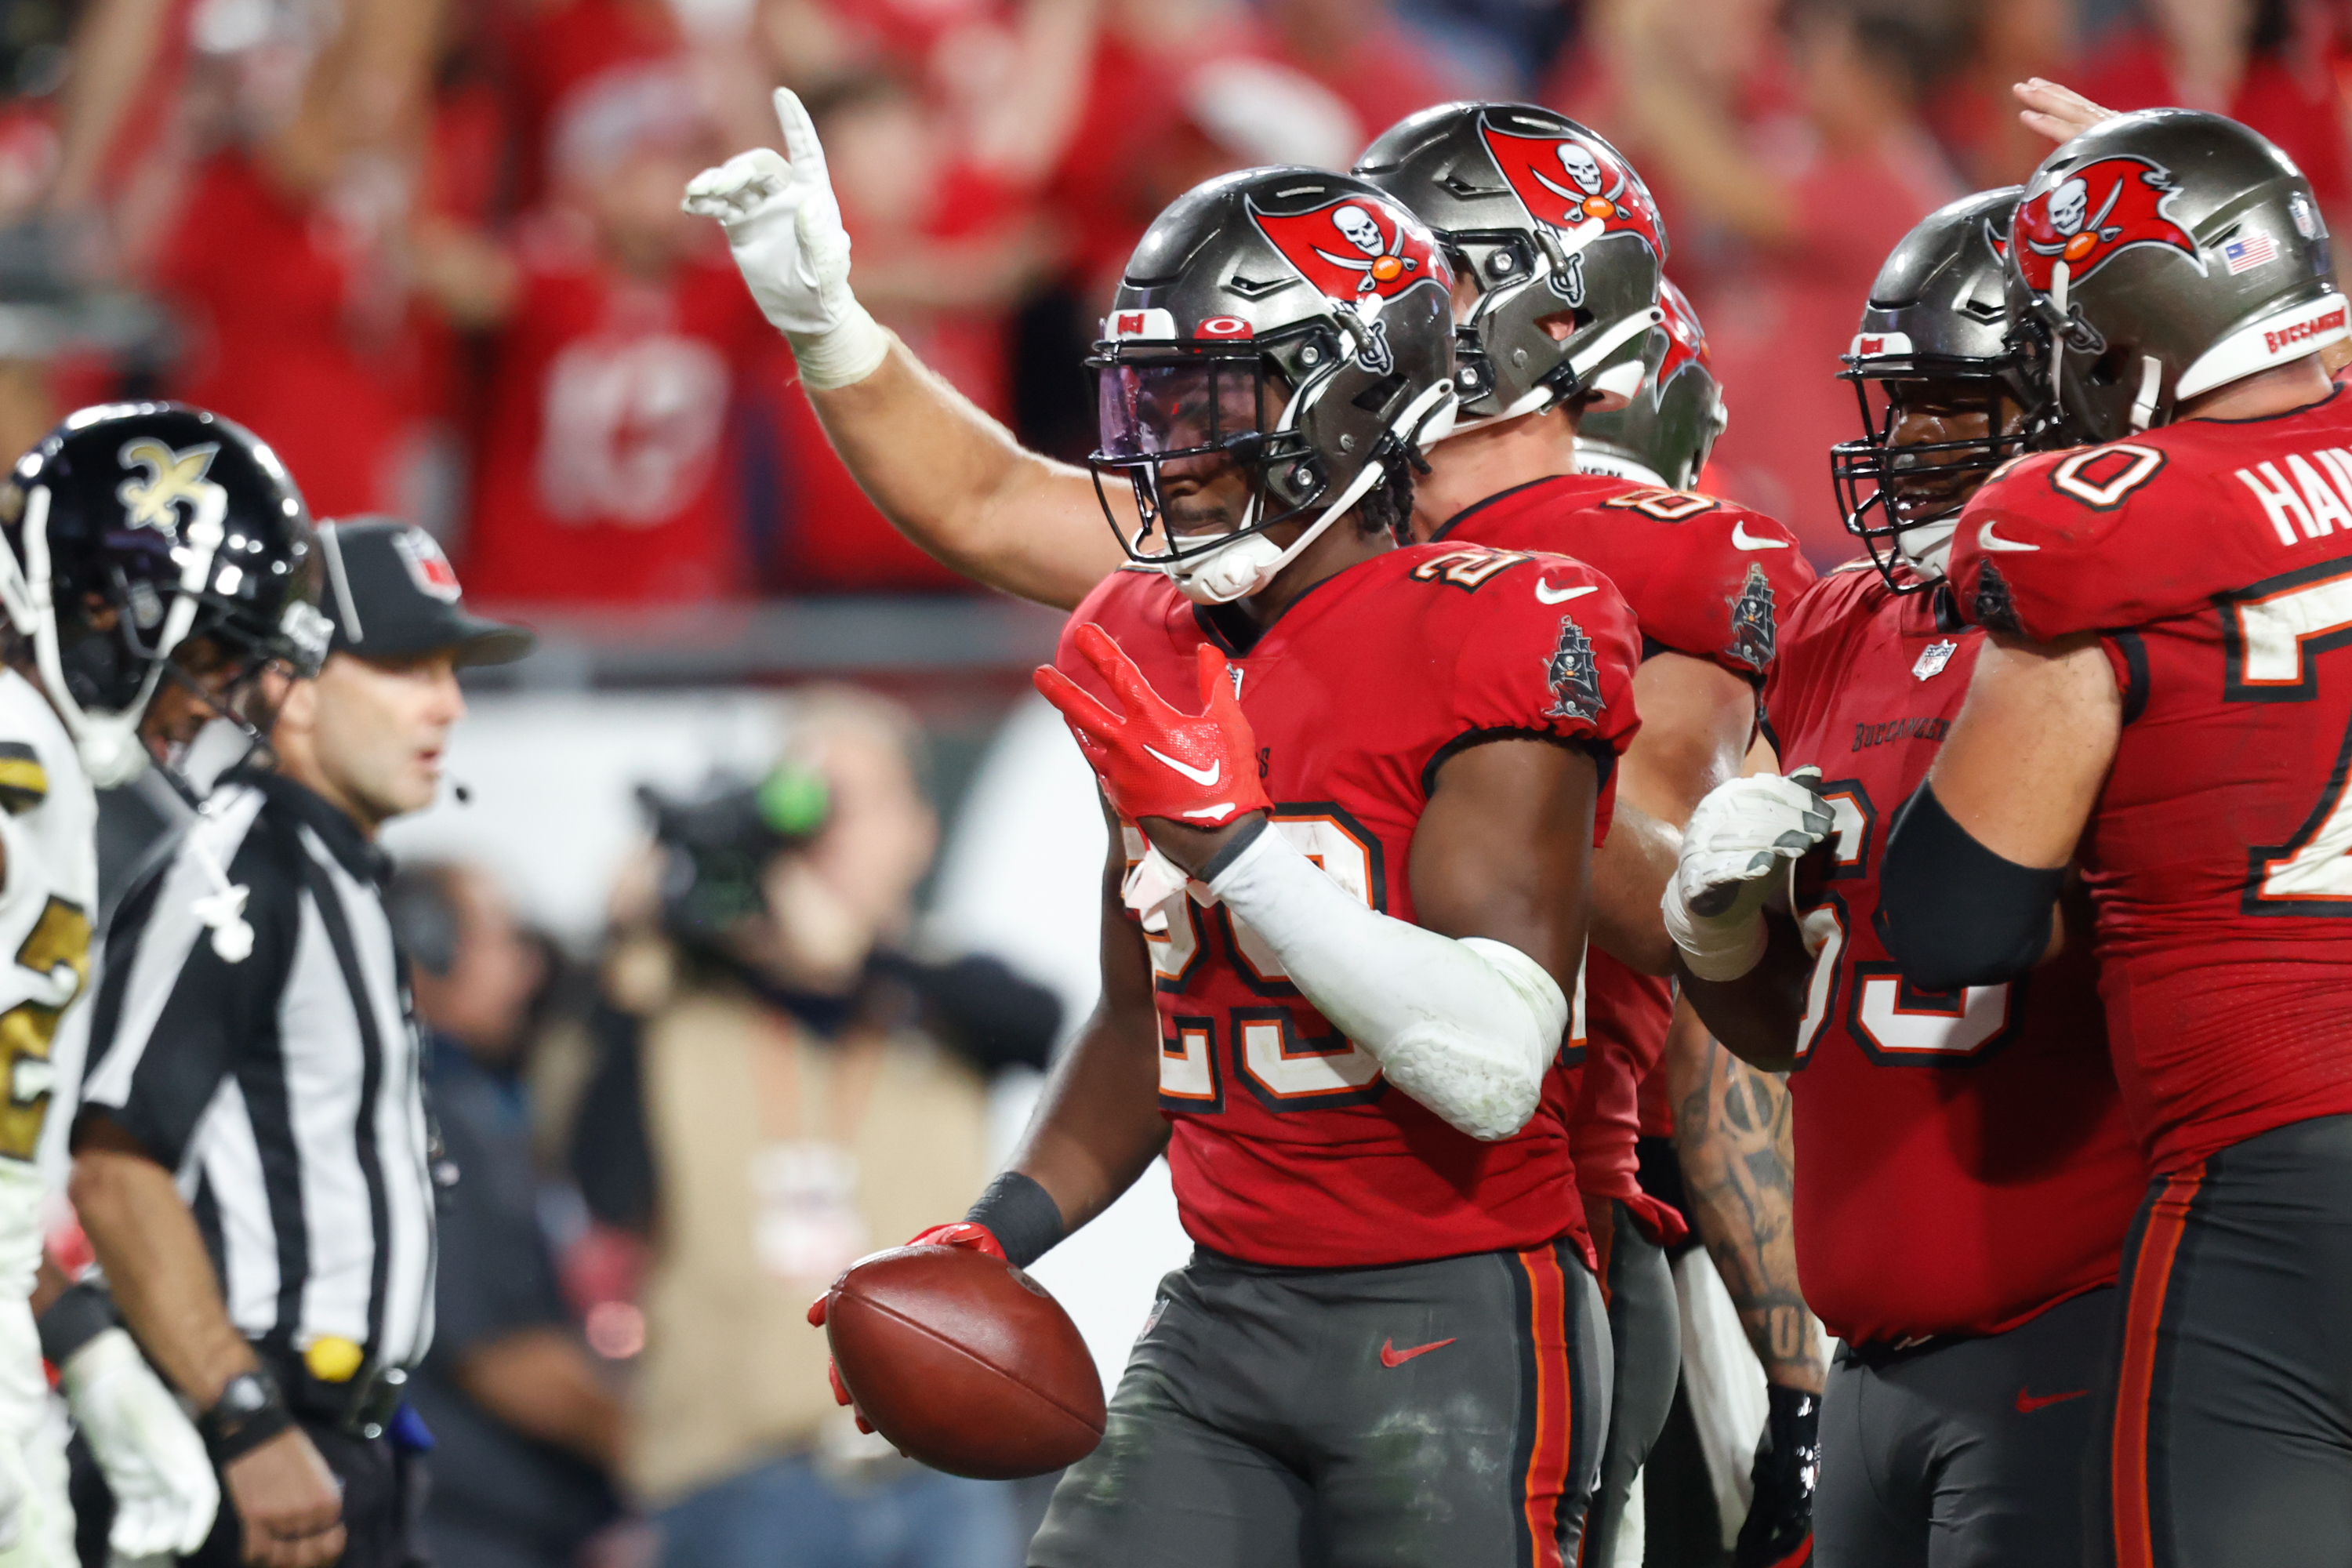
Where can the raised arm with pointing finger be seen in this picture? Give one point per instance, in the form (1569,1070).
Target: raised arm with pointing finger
(948,477)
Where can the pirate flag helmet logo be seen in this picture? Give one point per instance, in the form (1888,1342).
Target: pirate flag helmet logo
(1362,251)
(2098,211)
(1579,188)
(1355,250)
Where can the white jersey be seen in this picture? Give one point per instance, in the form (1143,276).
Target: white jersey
(48,896)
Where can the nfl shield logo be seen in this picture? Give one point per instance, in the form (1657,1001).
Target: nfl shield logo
(1932,659)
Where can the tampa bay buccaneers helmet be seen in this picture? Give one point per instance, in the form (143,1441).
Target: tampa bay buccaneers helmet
(134,534)
(1287,326)
(1664,436)
(2168,253)
(1555,232)
(1937,342)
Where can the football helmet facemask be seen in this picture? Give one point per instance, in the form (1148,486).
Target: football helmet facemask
(1554,236)
(1939,356)
(1280,345)
(141,541)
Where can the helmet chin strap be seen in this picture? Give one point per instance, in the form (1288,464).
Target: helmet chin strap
(107,742)
(1928,547)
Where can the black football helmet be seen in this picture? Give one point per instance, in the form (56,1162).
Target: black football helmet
(1938,332)
(1554,230)
(1664,435)
(130,534)
(2168,253)
(1292,323)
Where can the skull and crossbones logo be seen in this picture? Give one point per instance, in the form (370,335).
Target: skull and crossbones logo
(1588,176)
(2070,214)
(1380,261)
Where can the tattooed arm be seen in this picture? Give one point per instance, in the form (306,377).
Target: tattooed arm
(1731,1131)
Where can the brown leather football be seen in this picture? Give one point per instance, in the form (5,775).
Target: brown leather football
(964,1361)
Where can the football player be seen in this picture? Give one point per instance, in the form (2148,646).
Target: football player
(2159,697)
(1968,1174)
(152,560)
(1344,916)
(1555,248)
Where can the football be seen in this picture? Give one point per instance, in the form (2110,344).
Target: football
(964,1362)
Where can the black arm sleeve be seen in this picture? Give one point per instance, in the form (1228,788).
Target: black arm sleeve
(1951,911)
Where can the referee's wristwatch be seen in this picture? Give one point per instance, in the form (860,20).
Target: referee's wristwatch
(249,1412)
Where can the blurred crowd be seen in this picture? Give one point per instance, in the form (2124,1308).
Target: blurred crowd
(670,1148)
(432,250)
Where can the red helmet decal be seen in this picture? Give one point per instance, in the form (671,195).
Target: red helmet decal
(1685,340)
(2097,212)
(1357,248)
(1567,181)
(1223,327)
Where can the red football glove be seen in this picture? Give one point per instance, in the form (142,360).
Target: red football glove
(1200,770)
(962,1233)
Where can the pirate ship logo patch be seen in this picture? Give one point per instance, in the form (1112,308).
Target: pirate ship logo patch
(1753,631)
(1575,679)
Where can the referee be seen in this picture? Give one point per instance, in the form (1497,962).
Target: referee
(253,1159)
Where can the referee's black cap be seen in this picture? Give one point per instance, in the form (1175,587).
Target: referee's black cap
(391,594)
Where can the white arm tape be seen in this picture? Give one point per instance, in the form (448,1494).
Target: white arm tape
(1467,1028)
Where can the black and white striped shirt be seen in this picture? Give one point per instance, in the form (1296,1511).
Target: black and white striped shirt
(283,1088)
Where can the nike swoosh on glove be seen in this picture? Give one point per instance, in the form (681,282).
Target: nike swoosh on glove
(1198,769)
(962,1233)
(783,226)
(166,1491)
(1738,844)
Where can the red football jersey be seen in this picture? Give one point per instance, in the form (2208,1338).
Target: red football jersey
(2215,559)
(606,468)
(1288,1147)
(1705,578)
(1966,1158)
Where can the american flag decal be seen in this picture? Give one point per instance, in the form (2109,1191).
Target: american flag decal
(2248,250)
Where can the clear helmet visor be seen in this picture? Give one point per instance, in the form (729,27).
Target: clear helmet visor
(1166,408)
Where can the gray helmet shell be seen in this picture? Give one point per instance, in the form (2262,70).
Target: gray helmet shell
(2170,252)
(1551,222)
(1314,283)
(1939,318)
(1664,435)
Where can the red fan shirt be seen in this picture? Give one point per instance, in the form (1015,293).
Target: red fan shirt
(2214,559)
(1705,578)
(1967,1161)
(1289,1147)
(605,469)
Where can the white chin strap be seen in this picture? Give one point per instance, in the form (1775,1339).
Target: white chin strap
(109,744)
(1928,547)
(1251,560)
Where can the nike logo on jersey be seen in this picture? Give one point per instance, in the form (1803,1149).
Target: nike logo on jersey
(1206,777)
(1546,594)
(2027,1403)
(1988,539)
(1743,540)
(1391,1356)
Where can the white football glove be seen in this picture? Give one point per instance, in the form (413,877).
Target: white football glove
(165,1493)
(784,227)
(1740,841)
